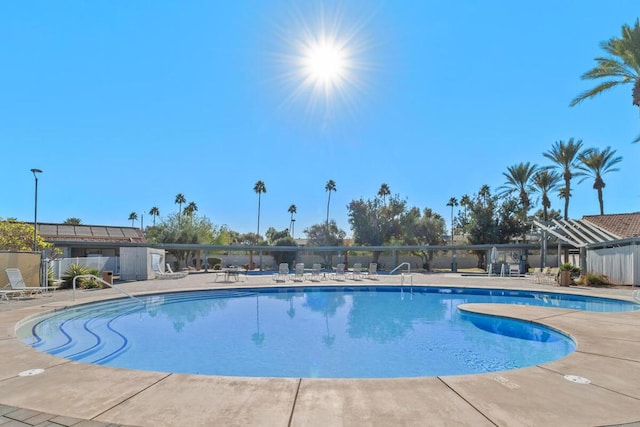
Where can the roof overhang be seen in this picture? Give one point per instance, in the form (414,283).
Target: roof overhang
(576,232)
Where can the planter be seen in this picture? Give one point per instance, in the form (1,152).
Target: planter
(565,278)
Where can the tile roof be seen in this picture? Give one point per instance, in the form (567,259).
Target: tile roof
(90,233)
(623,225)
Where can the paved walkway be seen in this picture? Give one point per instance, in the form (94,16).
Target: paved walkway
(71,393)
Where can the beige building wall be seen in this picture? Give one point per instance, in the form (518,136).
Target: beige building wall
(27,262)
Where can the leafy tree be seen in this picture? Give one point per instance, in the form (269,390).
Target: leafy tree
(72,221)
(491,223)
(621,66)
(18,236)
(545,181)
(565,157)
(323,235)
(421,229)
(172,229)
(594,164)
(519,180)
(374,223)
(133,217)
(154,212)
(541,215)
(180,199)
(329,187)
(283,239)
(383,192)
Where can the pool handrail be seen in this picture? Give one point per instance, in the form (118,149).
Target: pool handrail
(101,281)
(398,267)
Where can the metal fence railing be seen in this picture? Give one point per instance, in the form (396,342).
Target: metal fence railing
(101,264)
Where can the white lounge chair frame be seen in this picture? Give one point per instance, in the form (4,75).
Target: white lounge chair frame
(372,273)
(17,284)
(283,273)
(339,273)
(315,273)
(298,273)
(356,272)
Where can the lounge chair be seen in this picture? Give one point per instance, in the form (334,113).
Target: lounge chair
(372,273)
(169,274)
(514,270)
(356,272)
(5,294)
(339,273)
(17,284)
(315,273)
(283,273)
(298,273)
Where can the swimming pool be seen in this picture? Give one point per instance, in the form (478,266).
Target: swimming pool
(328,332)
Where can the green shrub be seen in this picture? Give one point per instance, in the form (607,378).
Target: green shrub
(73,271)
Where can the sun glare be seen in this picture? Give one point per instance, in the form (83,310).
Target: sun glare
(326,63)
(326,59)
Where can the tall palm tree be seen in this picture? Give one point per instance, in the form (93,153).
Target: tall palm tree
(154,212)
(329,187)
(565,157)
(596,163)
(292,210)
(133,217)
(452,202)
(519,179)
(259,188)
(546,181)
(383,192)
(190,209)
(621,66)
(180,199)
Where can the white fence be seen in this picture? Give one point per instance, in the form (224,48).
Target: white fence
(620,264)
(94,263)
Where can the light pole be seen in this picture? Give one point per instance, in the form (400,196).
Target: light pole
(35,211)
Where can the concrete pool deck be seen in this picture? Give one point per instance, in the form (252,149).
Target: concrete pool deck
(608,354)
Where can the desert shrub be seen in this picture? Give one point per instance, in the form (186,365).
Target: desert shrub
(73,271)
(594,279)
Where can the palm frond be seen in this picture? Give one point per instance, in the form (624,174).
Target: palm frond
(602,87)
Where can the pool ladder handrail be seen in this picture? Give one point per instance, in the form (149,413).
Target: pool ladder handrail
(403,275)
(101,281)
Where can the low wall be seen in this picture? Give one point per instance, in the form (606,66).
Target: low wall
(27,262)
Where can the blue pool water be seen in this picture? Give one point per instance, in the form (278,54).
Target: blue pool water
(330,332)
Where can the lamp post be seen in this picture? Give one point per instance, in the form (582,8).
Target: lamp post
(35,211)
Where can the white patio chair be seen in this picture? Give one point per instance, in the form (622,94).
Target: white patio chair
(17,284)
(298,273)
(283,273)
(315,273)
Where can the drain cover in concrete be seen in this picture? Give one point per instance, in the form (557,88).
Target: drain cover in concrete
(31,372)
(576,379)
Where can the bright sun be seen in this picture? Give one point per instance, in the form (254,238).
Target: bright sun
(326,63)
(326,59)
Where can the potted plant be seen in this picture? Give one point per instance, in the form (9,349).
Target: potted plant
(565,274)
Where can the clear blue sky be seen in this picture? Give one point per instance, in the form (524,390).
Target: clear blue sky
(125,104)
